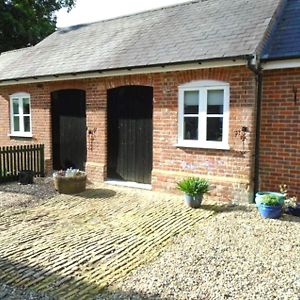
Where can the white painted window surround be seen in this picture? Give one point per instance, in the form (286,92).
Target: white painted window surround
(20,115)
(203,114)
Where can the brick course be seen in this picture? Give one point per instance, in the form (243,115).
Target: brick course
(280,131)
(230,170)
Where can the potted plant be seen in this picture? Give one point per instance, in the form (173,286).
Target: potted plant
(270,206)
(71,181)
(291,203)
(292,206)
(194,188)
(258,197)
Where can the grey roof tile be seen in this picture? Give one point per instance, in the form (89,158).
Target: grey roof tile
(285,40)
(192,31)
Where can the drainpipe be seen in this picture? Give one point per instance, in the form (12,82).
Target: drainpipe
(257,70)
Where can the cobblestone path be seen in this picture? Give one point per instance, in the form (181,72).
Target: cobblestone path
(73,246)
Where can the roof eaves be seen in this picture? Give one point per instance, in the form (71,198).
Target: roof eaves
(131,68)
(277,58)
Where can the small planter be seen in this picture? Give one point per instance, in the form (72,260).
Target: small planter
(70,185)
(193,188)
(26,177)
(260,195)
(295,211)
(270,212)
(193,201)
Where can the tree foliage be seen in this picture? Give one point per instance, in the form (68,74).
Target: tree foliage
(26,22)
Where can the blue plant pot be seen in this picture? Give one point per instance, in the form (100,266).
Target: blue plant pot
(270,212)
(193,201)
(259,195)
(295,211)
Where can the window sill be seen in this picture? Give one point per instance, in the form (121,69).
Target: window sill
(201,146)
(21,135)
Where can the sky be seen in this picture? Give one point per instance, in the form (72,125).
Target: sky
(87,11)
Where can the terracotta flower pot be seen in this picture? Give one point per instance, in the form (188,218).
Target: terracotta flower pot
(70,185)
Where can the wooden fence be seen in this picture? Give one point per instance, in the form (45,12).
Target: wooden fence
(14,159)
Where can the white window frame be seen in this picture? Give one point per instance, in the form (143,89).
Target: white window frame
(202,87)
(21,132)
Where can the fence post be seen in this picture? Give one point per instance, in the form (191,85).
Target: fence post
(1,173)
(42,162)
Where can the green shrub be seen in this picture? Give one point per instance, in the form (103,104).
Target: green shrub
(271,200)
(193,186)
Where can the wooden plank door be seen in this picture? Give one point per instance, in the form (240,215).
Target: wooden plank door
(69,129)
(130,133)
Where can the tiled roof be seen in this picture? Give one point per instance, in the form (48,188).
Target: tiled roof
(193,31)
(285,40)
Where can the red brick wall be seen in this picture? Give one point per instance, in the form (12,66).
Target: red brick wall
(231,171)
(280,131)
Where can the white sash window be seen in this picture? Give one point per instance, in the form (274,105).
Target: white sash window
(20,115)
(204,115)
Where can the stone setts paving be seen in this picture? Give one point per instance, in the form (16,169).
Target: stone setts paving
(71,247)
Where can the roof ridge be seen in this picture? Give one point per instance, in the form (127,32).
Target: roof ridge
(15,50)
(186,3)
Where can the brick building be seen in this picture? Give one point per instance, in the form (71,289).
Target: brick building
(201,88)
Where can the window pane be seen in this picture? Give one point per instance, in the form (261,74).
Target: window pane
(215,102)
(15,106)
(191,128)
(191,102)
(16,123)
(26,108)
(27,124)
(214,129)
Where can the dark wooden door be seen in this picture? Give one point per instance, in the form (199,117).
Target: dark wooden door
(69,129)
(130,133)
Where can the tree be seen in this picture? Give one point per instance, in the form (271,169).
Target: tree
(26,22)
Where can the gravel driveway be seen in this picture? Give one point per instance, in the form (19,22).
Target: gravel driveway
(14,195)
(233,255)
(74,246)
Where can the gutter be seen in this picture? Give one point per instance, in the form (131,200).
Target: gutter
(280,58)
(257,70)
(134,70)
(281,64)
